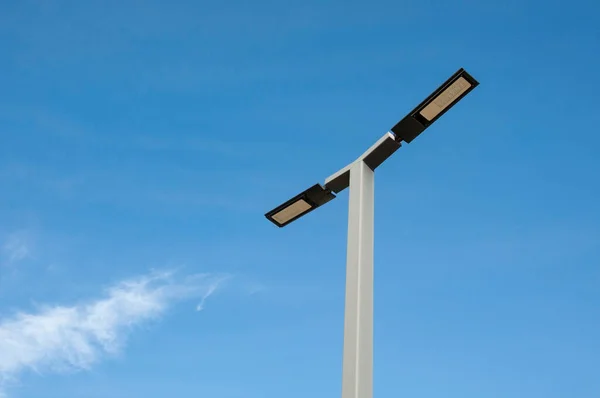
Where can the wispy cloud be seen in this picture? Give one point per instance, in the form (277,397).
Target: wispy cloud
(15,248)
(210,289)
(71,338)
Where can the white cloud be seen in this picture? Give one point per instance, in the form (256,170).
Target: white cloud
(71,338)
(16,248)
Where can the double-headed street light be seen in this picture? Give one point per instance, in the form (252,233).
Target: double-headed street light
(357,373)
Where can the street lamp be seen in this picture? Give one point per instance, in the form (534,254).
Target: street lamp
(357,367)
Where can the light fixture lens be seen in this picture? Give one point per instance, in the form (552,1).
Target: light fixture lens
(445,99)
(293,210)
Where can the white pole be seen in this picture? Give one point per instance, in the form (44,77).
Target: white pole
(357,372)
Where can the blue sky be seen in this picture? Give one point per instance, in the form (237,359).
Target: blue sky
(141,142)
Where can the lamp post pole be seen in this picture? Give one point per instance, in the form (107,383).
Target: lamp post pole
(357,368)
(359,178)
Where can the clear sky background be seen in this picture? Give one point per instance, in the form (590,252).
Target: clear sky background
(141,142)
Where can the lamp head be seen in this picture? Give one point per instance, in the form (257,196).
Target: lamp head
(434,106)
(300,205)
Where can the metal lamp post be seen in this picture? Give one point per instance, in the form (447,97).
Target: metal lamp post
(358,176)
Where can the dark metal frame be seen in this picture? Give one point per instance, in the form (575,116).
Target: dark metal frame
(405,130)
